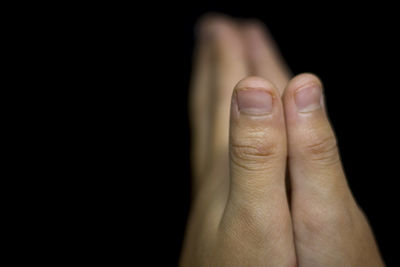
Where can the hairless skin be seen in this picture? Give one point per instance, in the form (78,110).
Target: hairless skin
(255,127)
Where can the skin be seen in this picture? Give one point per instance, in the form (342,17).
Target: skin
(268,185)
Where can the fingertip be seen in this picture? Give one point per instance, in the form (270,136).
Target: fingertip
(211,25)
(303,94)
(255,96)
(263,54)
(256,82)
(255,30)
(302,80)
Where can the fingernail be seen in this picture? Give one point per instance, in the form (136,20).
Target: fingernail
(254,101)
(308,98)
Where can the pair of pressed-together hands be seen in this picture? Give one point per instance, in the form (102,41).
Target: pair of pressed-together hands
(269,188)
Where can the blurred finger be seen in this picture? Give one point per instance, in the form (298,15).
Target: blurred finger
(263,55)
(200,116)
(228,67)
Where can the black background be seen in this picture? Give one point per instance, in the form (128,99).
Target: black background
(133,135)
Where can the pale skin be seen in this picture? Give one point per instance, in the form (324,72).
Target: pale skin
(268,184)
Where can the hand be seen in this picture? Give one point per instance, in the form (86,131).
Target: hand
(278,131)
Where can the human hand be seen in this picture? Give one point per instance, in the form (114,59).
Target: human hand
(278,130)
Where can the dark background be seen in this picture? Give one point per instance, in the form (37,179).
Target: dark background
(127,78)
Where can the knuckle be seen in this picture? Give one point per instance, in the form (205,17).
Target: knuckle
(322,148)
(253,154)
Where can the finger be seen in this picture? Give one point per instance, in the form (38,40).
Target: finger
(222,64)
(228,67)
(257,139)
(263,55)
(200,116)
(257,209)
(325,215)
(315,165)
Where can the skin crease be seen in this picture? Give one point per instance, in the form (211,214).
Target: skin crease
(240,214)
